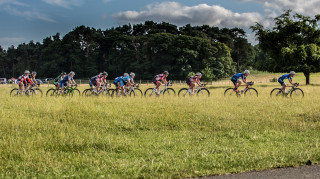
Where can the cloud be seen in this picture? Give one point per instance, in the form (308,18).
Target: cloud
(200,14)
(64,3)
(13,2)
(305,7)
(28,14)
(6,42)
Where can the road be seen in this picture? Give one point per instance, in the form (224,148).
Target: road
(312,172)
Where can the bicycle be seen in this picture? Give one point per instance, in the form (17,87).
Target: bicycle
(247,91)
(294,92)
(131,91)
(200,91)
(67,91)
(104,91)
(165,91)
(29,91)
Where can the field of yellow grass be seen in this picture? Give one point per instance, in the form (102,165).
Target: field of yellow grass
(165,137)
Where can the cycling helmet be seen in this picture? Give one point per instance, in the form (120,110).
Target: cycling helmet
(72,73)
(132,74)
(34,73)
(104,74)
(166,73)
(198,74)
(63,73)
(292,73)
(27,71)
(247,72)
(125,74)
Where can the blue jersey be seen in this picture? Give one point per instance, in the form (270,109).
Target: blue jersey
(287,76)
(125,79)
(239,75)
(118,79)
(66,79)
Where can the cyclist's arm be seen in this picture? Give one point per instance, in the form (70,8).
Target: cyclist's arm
(30,81)
(132,82)
(164,81)
(290,80)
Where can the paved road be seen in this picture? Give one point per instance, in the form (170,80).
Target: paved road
(312,172)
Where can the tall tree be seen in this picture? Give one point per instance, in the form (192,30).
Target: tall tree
(293,43)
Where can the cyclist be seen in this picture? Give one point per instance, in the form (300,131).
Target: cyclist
(98,80)
(33,77)
(67,80)
(194,79)
(128,80)
(160,78)
(286,76)
(57,80)
(237,82)
(118,82)
(23,81)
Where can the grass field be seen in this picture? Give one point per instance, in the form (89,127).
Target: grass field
(157,137)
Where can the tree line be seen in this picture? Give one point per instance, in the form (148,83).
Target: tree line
(150,48)
(146,49)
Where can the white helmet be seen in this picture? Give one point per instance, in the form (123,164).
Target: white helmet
(198,74)
(27,71)
(125,74)
(72,73)
(292,73)
(247,72)
(132,74)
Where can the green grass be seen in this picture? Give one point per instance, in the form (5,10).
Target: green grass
(157,138)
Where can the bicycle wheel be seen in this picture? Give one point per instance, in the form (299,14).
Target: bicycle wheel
(230,93)
(85,92)
(297,93)
(183,92)
(251,92)
(15,92)
(277,92)
(74,92)
(37,92)
(136,93)
(51,92)
(203,92)
(169,92)
(150,92)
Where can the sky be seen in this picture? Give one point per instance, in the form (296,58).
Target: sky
(26,20)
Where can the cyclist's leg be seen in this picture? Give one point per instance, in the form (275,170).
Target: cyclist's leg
(158,84)
(98,85)
(192,85)
(21,85)
(283,84)
(91,85)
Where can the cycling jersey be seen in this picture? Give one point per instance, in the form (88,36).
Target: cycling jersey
(287,76)
(158,78)
(118,80)
(235,77)
(281,78)
(24,79)
(57,80)
(34,81)
(65,81)
(125,79)
(192,79)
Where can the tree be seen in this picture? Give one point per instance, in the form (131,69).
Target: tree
(293,44)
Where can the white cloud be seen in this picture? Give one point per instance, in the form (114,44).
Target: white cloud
(13,2)
(196,15)
(6,42)
(28,14)
(305,7)
(64,3)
